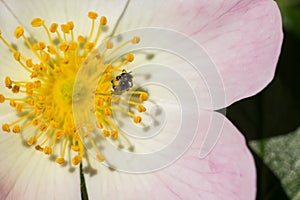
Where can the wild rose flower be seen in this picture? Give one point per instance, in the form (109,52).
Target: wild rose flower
(243,38)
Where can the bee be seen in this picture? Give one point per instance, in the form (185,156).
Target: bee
(124,82)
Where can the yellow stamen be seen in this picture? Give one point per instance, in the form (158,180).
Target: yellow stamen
(37,22)
(19,32)
(53,27)
(92,15)
(46,104)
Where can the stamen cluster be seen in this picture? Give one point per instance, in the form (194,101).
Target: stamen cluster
(46,102)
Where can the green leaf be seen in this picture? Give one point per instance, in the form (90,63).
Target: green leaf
(290,10)
(282,155)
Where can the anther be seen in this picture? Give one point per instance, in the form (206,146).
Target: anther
(19,107)
(71,25)
(15,89)
(75,148)
(65,28)
(17,56)
(19,32)
(37,84)
(64,47)
(76,160)
(37,22)
(31,141)
(8,82)
(80,39)
(73,46)
(53,27)
(12,103)
(39,148)
(100,157)
(51,50)
(43,127)
(115,134)
(42,45)
(48,150)
(130,57)
(137,119)
(105,133)
(143,97)
(103,21)
(92,15)
(59,134)
(60,161)
(141,108)
(136,40)
(29,63)
(109,44)
(2,98)
(36,47)
(5,128)
(16,129)
(90,45)
(107,111)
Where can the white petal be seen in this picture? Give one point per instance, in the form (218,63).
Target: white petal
(8,65)
(64,11)
(228,172)
(28,174)
(243,37)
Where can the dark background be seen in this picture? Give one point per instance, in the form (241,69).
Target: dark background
(276,109)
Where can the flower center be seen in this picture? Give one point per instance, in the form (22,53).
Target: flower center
(46,99)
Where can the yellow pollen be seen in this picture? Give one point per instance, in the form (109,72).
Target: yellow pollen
(2,98)
(76,160)
(81,39)
(16,129)
(5,128)
(105,133)
(115,134)
(71,25)
(31,141)
(103,21)
(109,44)
(29,63)
(19,32)
(130,57)
(143,97)
(39,148)
(136,40)
(137,119)
(60,161)
(48,150)
(100,157)
(59,134)
(141,108)
(45,101)
(75,148)
(37,22)
(53,27)
(92,15)
(17,56)
(65,28)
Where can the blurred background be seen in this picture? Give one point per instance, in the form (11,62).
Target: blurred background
(275,110)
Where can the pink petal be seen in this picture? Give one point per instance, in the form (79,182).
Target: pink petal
(242,37)
(228,172)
